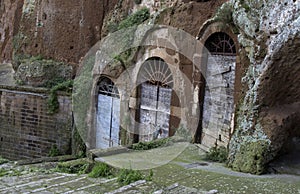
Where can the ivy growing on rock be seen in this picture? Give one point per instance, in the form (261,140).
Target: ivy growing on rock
(135,19)
(53,104)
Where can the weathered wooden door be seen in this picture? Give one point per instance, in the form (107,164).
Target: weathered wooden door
(108,115)
(154,111)
(155,93)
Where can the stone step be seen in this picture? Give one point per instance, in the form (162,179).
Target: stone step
(141,186)
(179,189)
(60,186)
(97,186)
(56,183)
(27,181)
(94,153)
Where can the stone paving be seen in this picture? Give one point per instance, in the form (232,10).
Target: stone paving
(187,173)
(67,183)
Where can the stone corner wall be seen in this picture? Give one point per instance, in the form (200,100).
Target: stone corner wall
(26,128)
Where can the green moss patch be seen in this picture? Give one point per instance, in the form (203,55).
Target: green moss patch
(3,160)
(151,144)
(251,157)
(101,170)
(127,176)
(80,166)
(135,19)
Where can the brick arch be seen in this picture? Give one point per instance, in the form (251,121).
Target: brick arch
(210,28)
(220,43)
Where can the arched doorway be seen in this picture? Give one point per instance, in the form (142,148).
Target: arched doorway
(108,114)
(218,101)
(155,93)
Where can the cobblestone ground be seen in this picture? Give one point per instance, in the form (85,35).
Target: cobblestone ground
(188,173)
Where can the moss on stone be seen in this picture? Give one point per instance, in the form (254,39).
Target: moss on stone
(80,166)
(81,101)
(251,157)
(224,14)
(52,103)
(3,160)
(124,59)
(217,154)
(136,18)
(78,145)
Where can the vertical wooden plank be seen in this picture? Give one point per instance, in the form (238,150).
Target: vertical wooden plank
(148,96)
(148,111)
(163,114)
(115,139)
(164,99)
(103,121)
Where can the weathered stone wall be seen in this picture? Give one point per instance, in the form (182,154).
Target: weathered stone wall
(26,128)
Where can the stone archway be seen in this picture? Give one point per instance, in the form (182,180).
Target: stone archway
(107,114)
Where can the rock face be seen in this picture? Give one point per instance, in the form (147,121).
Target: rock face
(189,16)
(10,14)
(268,113)
(61,30)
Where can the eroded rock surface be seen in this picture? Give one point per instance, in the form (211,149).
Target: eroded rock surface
(9,21)
(61,30)
(266,116)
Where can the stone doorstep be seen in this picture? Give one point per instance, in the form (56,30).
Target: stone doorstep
(94,153)
(98,153)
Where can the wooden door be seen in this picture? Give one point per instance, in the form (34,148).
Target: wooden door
(154,111)
(108,116)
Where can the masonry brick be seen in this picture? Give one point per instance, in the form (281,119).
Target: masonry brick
(27,130)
